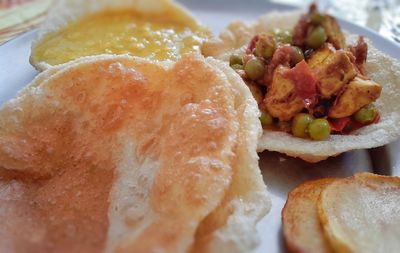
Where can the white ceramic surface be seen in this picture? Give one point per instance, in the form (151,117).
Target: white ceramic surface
(281,173)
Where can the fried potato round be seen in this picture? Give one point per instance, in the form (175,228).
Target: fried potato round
(361,214)
(120,154)
(379,67)
(302,229)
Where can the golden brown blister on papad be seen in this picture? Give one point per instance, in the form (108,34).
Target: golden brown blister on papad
(362,214)
(231,227)
(118,154)
(302,229)
(379,67)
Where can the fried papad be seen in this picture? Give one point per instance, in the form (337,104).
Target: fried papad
(302,229)
(362,214)
(119,154)
(379,67)
(64,12)
(231,227)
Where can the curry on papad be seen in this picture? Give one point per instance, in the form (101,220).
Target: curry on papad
(122,154)
(154,29)
(321,92)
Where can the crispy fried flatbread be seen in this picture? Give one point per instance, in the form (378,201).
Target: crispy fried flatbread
(118,154)
(231,227)
(362,214)
(302,229)
(380,67)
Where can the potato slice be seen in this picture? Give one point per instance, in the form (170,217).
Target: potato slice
(301,227)
(361,214)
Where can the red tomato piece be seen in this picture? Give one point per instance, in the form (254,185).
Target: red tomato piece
(337,125)
(305,81)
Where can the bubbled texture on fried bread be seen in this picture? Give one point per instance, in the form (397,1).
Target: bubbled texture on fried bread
(380,68)
(231,227)
(132,156)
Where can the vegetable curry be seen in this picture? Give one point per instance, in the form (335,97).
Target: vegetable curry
(308,81)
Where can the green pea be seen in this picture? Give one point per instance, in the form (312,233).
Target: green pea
(237,66)
(316,38)
(266,119)
(319,129)
(366,114)
(235,60)
(254,69)
(283,36)
(297,55)
(265,46)
(317,18)
(300,124)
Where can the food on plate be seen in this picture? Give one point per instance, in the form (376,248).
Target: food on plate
(122,154)
(314,72)
(362,214)
(301,227)
(322,91)
(359,214)
(156,29)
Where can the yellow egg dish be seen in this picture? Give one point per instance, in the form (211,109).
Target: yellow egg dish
(160,36)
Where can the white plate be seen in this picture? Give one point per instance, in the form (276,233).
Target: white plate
(281,173)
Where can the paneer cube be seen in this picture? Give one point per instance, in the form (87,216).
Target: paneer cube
(281,100)
(334,73)
(358,94)
(335,34)
(320,55)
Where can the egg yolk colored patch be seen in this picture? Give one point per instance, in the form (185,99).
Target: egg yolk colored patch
(155,36)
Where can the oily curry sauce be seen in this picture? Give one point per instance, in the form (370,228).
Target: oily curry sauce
(162,36)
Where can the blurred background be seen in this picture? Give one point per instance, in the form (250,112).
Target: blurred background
(19,16)
(382,16)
